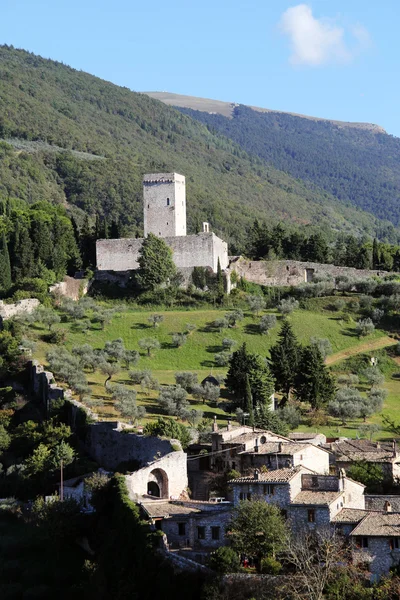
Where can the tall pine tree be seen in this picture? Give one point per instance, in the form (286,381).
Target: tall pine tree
(248,402)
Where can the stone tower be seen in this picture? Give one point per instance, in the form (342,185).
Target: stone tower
(164,197)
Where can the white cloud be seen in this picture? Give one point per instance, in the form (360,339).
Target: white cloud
(315,42)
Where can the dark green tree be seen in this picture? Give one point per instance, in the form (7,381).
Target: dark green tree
(284,360)
(248,402)
(156,265)
(376,258)
(5,266)
(242,366)
(314,384)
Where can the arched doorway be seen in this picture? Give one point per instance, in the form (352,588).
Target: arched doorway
(153,489)
(157,484)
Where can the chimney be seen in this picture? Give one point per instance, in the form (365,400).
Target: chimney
(378,445)
(387,507)
(342,475)
(280,447)
(256,474)
(256,445)
(228,425)
(206,227)
(215,424)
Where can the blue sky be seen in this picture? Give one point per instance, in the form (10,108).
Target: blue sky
(330,58)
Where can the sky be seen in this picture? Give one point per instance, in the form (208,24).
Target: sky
(337,59)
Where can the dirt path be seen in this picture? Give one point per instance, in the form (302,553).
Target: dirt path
(365,347)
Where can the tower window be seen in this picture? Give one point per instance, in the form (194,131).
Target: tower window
(148,206)
(167,201)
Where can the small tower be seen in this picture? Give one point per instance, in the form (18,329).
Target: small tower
(164,197)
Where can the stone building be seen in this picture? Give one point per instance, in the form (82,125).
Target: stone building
(376,541)
(348,452)
(194,525)
(164,211)
(281,455)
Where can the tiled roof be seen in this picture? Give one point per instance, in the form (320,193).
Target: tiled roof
(162,509)
(302,435)
(379,525)
(284,448)
(350,515)
(278,476)
(312,497)
(354,450)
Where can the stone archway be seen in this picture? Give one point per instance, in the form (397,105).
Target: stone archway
(157,484)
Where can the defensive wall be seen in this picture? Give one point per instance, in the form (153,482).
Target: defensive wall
(71,287)
(111,443)
(293,272)
(28,305)
(200,250)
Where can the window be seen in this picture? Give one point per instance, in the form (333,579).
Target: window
(301,457)
(242,496)
(167,201)
(263,439)
(311,515)
(215,533)
(284,513)
(362,542)
(201,533)
(148,206)
(248,495)
(181,528)
(269,489)
(394,543)
(314,481)
(233,465)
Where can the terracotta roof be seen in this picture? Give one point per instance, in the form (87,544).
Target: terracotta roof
(284,448)
(312,497)
(350,515)
(278,476)
(162,509)
(354,450)
(302,435)
(379,525)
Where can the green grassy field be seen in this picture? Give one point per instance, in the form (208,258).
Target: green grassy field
(201,346)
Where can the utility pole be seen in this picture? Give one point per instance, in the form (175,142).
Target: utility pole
(62,482)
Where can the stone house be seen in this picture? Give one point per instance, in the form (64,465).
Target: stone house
(376,541)
(281,455)
(347,452)
(306,498)
(194,525)
(228,443)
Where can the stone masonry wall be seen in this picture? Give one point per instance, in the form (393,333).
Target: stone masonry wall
(164,204)
(172,465)
(292,272)
(22,306)
(201,250)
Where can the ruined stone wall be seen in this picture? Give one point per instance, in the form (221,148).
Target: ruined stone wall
(109,445)
(293,272)
(201,250)
(22,306)
(70,288)
(43,385)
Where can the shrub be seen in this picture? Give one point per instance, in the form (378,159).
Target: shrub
(267,322)
(288,305)
(364,327)
(270,566)
(224,560)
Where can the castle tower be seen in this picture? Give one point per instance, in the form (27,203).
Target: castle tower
(164,197)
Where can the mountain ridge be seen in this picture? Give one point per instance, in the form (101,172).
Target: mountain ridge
(226,109)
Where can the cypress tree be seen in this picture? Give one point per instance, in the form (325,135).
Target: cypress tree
(284,360)
(243,365)
(156,264)
(376,259)
(314,383)
(5,266)
(248,402)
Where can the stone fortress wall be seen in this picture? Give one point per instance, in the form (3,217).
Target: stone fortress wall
(293,272)
(201,250)
(164,213)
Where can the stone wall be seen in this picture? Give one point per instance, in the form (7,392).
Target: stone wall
(110,444)
(71,288)
(201,250)
(292,272)
(169,472)
(378,555)
(43,385)
(217,519)
(22,306)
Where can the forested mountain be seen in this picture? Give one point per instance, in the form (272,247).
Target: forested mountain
(72,138)
(358,164)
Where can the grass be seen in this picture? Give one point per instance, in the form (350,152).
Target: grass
(201,346)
